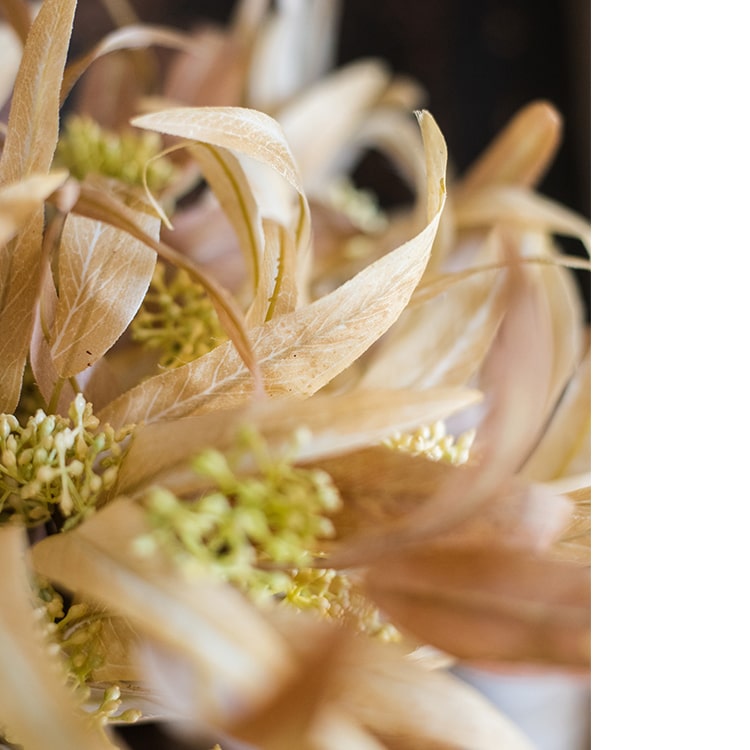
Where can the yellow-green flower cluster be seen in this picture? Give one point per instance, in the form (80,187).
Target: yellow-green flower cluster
(75,636)
(56,466)
(177,318)
(334,596)
(85,148)
(250,530)
(435,443)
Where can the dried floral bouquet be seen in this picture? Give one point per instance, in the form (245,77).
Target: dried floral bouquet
(272,457)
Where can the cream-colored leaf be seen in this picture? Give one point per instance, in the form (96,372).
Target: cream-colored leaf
(19,200)
(277,292)
(104,274)
(225,175)
(443,341)
(300,352)
(33,680)
(335,424)
(568,436)
(408,706)
(100,206)
(34,120)
(213,627)
(349,93)
(245,133)
(20,267)
(489,603)
(520,153)
(520,208)
(129,37)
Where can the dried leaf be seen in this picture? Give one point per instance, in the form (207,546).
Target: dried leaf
(349,92)
(224,173)
(103,207)
(104,274)
(220,635)
(20,267)
(33,682)
(335,424)
(521,152)
(488,603)
(33,121)
(443,341)
(410,707)
(239,130)
(565,447)
(520,208)
(19,200)
(300,352)
(11,50)
(129,37)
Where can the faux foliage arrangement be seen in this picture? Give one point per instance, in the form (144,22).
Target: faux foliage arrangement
(272,457)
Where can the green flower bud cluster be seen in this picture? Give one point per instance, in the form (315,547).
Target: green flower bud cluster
(334,596)
(177,318)
(433,442)
(250,530)
(57,466)
(85,147)
(358,205)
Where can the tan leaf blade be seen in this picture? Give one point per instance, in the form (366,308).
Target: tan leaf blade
(520,208)
(34,119)
(335,424)
(242,131)
(565,447)
(300,352)
(104,274)
(129,37)
(20,267)
(19,200)
(443,341)
(408,706)
(521,152)
(212,626)
(349,92)
(229,183)
(94,204)
(489,604)
(33,684)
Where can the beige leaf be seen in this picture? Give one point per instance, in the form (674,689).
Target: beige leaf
(19,200)
(567,438)
(224,173)
(443,341)
(129,37)
(488,603)
(34,120)
(258,142)
(335,424)
(104,274)
(33,682)
(277,292)
(333,109)
(212,626)
(300,352)
(520,208)
(98,205)
(20,267)
(408,706)
(520,153)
